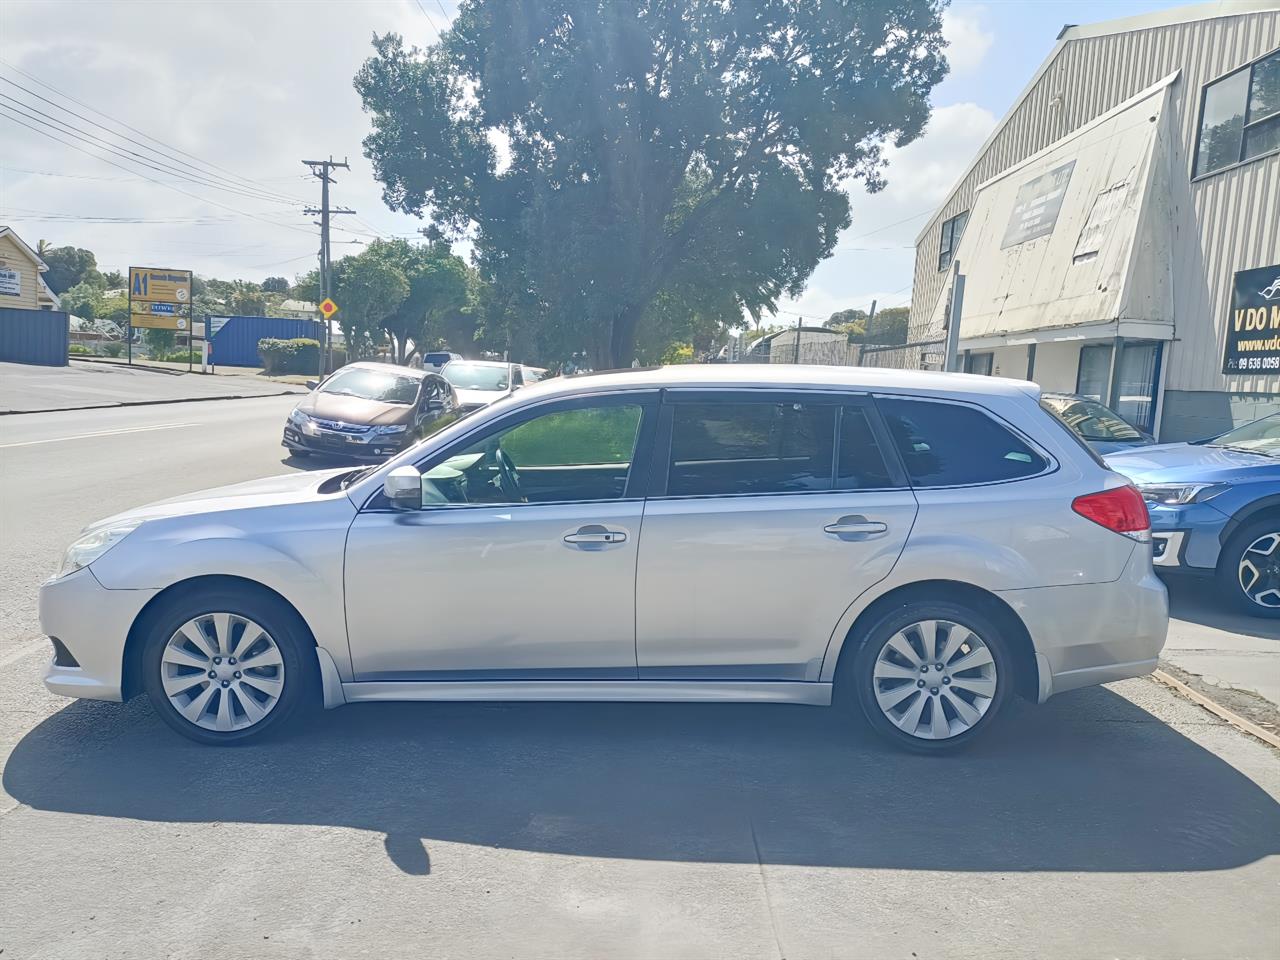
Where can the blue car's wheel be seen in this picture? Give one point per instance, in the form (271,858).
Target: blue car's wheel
(1249,568)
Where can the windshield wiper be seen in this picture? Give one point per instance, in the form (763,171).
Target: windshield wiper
(351,478)
(1254,450)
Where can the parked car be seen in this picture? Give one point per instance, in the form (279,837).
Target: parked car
(1215,510)
(369,411)
(921,547)
(436,360)
(1097,425)
(480,382)
(533,374)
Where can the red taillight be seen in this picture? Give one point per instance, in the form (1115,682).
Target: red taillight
(1121,509)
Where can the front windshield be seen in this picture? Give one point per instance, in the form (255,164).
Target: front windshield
(373,385)
(1261,436)
(476,376)
(1092,420)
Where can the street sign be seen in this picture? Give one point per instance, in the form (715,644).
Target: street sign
(328,308)
(159,298)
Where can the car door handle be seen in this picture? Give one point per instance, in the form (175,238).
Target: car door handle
(856,528)
(597,535)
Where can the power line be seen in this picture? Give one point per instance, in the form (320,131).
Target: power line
(132,156)
(167,186)
(428,16)
(102,113)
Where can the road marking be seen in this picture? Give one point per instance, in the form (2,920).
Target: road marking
(100,433)
(1216,708)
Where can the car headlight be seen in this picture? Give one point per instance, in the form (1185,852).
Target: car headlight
(92,545)
(298,418)
(1171,494)
(388,430)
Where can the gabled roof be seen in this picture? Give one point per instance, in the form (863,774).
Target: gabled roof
(22,245)
(1070,32)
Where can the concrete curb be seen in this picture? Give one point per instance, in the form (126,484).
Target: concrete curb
(1216,709)
(155,403)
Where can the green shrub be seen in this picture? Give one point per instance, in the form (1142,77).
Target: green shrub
(79,349)
(113,348)
(178,356)
(300,355)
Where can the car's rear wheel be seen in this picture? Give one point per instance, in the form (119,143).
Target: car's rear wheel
(1249,568)
(223,666)
(931,676)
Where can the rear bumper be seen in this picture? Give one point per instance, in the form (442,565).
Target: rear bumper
(1093,633)
(92,623)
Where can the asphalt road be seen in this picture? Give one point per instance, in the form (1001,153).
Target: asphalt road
(1118,821)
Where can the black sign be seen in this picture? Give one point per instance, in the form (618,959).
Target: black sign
(1253,329)
(1036,207)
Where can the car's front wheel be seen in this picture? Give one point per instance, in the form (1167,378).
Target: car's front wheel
(222,666)
(1249,568)
(931,676)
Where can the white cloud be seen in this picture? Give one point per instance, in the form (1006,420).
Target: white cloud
(251,87)
(967,41)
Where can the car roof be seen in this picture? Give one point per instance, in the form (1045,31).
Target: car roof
(385,368)
(780,376)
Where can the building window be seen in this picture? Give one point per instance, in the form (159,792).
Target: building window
(951,230)
(979,363)
(1240,116)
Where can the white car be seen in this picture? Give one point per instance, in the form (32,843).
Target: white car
(922,546)
(479,383)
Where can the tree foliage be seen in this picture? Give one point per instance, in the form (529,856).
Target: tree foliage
(69,266)
(614,160)
(275,285)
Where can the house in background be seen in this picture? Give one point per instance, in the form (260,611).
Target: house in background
(297,310)
(1119,232)
(20,282)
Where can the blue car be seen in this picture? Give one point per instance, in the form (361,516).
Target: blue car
(1215,509)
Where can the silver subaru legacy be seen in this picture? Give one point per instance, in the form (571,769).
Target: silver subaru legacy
(916,547)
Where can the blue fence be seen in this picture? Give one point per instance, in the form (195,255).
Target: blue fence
(236,342)
(34,336)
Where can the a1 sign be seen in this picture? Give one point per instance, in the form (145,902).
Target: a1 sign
(328,308)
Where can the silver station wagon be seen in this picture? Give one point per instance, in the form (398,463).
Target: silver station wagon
(917,548)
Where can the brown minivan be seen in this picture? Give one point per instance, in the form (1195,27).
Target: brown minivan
(370,411)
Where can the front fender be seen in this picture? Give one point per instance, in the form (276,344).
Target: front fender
(295,550)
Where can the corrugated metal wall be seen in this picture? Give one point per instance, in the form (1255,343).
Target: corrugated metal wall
(34,336)
(236,343)
(1237,210)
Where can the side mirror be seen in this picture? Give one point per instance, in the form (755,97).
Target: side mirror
(312,384)
(403,488)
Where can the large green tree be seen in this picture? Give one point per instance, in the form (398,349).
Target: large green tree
(369,290)
(606,155)
(437,285)
(69,266)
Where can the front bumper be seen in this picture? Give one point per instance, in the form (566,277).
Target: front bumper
(1186,537)
(92,623)
(1092,633)
(349,446)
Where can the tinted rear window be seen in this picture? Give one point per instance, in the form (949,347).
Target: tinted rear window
(947,444)
(728,448)
(861,465)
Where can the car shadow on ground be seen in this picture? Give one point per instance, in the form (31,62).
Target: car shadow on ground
(1200,600)
(1089,782)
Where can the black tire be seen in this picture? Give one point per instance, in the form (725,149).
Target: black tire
(1229,567)
(301,679)
(855,681)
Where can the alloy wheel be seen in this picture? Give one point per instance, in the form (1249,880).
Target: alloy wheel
(1258,572)
(222,672)
(934,679)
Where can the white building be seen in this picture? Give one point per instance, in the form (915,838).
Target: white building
(1119,232)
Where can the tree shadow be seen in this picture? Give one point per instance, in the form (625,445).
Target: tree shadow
(1089,782)
(1198,600)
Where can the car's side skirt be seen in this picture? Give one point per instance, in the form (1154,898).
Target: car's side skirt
(662,691)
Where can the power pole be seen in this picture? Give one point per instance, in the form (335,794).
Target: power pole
(320,170)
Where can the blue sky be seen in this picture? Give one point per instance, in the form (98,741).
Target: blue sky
(254,87)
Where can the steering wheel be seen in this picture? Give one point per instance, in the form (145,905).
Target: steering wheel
(508,477)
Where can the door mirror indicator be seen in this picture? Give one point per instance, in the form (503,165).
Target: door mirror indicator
(403,488)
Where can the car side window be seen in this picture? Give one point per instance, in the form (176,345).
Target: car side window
(861,464)
(950,444)
(719,449)
(581,454)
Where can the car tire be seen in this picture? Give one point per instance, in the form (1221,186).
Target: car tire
(889,663)
(1250,540)
(236,698)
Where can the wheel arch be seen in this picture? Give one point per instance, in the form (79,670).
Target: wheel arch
(131,675)
(1026,669)
(1261,509)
